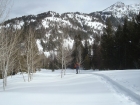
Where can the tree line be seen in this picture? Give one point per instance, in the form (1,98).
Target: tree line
(119,49)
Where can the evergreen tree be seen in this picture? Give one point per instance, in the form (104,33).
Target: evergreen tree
(96,59)
(118,48)
(85,55)
(107,46)
(86,64)
(51,47)
(85,50)
(137,42)
(127,48)
(77,48)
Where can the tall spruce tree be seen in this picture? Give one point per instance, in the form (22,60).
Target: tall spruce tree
(86,63)
(137,42)
(86,56)
(77,48)
(85,49)
(96,58)
(118,49)
(127,49)
(107,46)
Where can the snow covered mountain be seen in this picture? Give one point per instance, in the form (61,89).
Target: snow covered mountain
(51,25)
(117,12)
(119,9)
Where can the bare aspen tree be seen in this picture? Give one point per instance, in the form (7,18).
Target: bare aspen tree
(5,6)
(20,68)
(63,56)
(21,59)
(4,12)
(60,54)
(8,46)
(67,57)
(31,53)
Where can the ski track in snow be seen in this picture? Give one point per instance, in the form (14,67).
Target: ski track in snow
(121,89)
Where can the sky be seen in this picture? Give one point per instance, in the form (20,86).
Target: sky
(20,8)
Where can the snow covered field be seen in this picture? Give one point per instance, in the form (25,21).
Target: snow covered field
(87,88)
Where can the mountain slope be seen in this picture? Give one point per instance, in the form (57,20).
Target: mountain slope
(51,25)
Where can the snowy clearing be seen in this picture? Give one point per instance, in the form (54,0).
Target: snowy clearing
(87,88)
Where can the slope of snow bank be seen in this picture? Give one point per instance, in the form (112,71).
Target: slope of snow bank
(124,84)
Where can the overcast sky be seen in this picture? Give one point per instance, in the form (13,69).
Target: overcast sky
(27,7)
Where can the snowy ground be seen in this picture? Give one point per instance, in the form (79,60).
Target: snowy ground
(87,88)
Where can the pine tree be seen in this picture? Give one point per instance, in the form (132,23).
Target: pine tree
(86,64)
(118,48)
(107,46)
(96,59)
(137,42)
(85,55)
(128,44)
(77,49)
(85,50)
